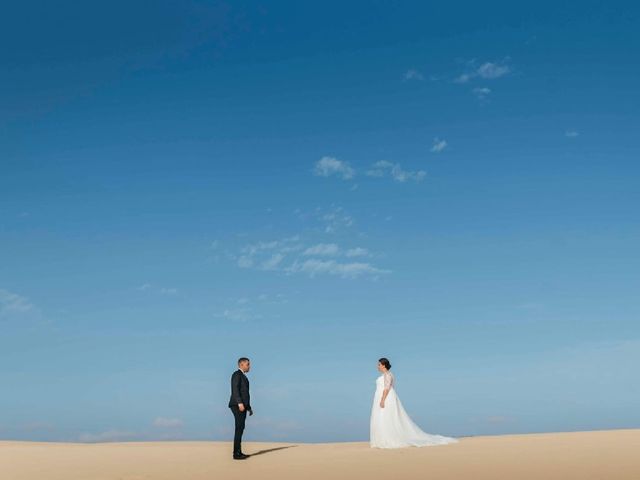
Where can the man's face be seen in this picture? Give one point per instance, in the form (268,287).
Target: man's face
(245,366)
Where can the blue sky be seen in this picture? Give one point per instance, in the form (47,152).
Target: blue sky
(452,186)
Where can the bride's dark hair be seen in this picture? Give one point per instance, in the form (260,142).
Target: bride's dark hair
(385,362)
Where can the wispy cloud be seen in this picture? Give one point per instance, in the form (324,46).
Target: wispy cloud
(463,78)
(333,250)
(492,70)
(328,166)
(284,245)
(13,304)
(384,167)
(323,249)
(253,307)
(481,93)
(275,299)
(487,71)
(571,133)
(413,74)
(267,255)
(357,252)
(438,145)
(245,261)
(314,251)
(272,262)
(335,219)
(308,258)
(241,314)
(314,267)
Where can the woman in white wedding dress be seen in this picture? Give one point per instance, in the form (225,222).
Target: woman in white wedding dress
(391,427)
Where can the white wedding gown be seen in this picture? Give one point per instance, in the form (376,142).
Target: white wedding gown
(391,427)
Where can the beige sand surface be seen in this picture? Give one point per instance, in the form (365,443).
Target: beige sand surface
(603,455)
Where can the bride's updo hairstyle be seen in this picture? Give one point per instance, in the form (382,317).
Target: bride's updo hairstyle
(385,363)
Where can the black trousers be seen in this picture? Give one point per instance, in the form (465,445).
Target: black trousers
(240,418)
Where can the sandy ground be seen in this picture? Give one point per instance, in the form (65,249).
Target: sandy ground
(606,455)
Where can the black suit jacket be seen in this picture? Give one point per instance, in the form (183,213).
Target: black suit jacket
(240,390)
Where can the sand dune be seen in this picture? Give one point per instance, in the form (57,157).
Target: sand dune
(610,455)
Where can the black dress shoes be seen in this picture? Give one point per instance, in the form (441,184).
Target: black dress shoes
(240,456)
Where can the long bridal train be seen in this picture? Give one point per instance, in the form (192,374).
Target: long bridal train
(391,426)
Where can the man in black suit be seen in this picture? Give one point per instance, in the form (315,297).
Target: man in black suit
(240,404)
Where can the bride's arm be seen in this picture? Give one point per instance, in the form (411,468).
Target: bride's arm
(387,387)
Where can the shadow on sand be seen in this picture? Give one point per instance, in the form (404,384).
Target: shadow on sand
(269,450)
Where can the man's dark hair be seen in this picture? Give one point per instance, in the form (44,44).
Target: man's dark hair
(242,359)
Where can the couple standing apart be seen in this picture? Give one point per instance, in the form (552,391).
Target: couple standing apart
(390,425)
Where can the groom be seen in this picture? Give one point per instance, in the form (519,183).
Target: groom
(240,404)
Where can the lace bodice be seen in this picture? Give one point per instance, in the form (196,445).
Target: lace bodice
(387,380)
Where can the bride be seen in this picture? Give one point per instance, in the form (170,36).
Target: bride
(391,427)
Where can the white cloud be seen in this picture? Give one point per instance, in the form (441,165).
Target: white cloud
(245,261)
(464,78)
(481,93)
(314,267)
(272,262)
(328,166)
(487,71)
(11,303)
(403,175)
(323,249)
(242,314)
(413,74)
(163,422)
(379,168)
(295,255)
(357,252)
(438,145)
(571,133)
(492,70)
(168,291)
(383,167)
(267,255)
(283,245)
(335,219)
